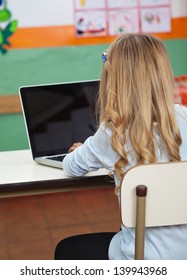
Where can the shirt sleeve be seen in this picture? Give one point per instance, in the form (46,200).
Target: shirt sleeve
(95,153)
(181,117)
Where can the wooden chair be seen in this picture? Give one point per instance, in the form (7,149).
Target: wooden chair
(153,195)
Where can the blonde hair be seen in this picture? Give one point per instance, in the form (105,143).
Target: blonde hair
(137,91)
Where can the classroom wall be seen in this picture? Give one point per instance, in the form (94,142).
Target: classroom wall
(48,23)
(60,12)
(44,50)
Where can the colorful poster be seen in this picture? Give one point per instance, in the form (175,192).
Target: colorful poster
(155,20)
(114,17)
(121,21)
(90,24)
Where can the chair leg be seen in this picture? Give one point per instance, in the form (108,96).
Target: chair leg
(141,192)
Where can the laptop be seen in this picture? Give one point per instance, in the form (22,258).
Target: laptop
(56,116)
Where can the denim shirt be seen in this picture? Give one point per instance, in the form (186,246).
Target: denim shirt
(97,152)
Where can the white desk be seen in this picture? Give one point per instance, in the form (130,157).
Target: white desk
(20,175)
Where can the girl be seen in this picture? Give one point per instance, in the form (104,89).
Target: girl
(139,124)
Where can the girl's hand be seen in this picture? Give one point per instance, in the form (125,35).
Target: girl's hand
(74,146)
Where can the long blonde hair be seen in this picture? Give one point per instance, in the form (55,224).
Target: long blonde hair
(137,91)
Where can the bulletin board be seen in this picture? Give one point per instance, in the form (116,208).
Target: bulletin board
(113,17)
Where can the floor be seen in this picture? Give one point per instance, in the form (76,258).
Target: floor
(31,226)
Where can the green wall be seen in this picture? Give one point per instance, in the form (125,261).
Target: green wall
(54,65)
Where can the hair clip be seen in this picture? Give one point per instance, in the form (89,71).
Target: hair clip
(104,56)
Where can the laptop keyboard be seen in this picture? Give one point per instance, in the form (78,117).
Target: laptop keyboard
(57,158)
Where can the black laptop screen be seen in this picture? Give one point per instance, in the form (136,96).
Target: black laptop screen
(59,115)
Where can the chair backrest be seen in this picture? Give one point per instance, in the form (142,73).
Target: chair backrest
(166,200)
